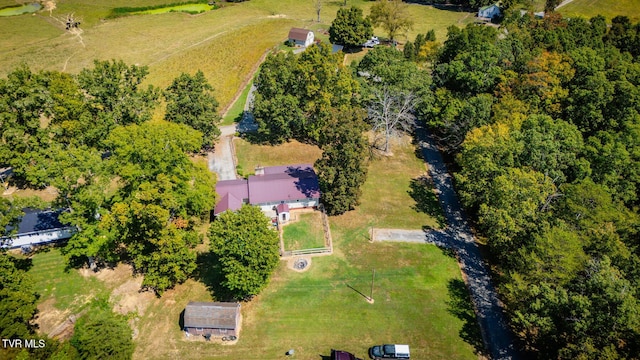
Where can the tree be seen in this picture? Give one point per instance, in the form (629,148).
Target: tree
(17,298)
(115,96)
(391,114)
(513,209)
(392,15)
(350,28)
(248,249)
(318,7)
(151,218)
(190,101)
(101,334)
(295,94)
(342,169)
(24,100)
(552,147)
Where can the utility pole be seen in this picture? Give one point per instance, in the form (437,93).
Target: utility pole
(373,277)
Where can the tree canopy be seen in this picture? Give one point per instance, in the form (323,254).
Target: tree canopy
(543,123)
(190,101)
(248,249)
(295,93)
(350,28)
(391,15)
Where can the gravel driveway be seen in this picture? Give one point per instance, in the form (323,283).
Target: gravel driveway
(496,335)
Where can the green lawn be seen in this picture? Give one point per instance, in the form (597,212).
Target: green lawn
(249,155)
(237,108)
(306,233)
(71,290)
(417,301)
(178,8)
(387,200)
(607,8)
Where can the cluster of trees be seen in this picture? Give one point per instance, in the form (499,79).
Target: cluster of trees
(98,334)
(130,185)
(308,97)
(313,98)
(543,119)
(351,29)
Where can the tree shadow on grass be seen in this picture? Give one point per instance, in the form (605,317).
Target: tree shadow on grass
(209,272)
(460,305)
(426,200)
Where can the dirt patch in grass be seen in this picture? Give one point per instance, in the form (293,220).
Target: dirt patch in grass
(49,317)
(291,264)
(47,194)
(128,298)
(110,276)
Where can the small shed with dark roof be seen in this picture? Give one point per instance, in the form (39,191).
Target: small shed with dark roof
(302,37)
(212,318)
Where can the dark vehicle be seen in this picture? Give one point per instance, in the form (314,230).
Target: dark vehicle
(386,351)
(342,355)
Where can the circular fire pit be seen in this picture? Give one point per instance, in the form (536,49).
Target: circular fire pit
(300,264)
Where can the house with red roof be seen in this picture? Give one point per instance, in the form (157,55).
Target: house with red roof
(275,189)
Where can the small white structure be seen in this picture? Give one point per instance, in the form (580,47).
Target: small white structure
(489,11)
(302,37)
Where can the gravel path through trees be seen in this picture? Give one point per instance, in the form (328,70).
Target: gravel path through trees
(496,335)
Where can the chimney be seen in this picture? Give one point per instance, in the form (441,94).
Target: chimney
(259,170)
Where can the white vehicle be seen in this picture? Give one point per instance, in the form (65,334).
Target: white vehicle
(387,351)
(371,42)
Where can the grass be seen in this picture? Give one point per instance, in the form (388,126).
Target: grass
(225,44)
(234,114)
(190,8)
(53,280)
(249,156)
(387,194)
(315,311)
(306,233)
(608,8)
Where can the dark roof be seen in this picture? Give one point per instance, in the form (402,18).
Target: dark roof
(298,34)
(211,315)
(38,220)
(284,183)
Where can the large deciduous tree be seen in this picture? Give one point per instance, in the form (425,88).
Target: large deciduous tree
(150,219)
(17,298)
(102,334)
(248,249)
(116,96)
(342,169)
(350,28)
(392,15)
(391,114)
(294,94)
(190,101)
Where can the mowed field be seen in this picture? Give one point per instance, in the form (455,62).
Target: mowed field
(226,44)
(420,298)
(607,8)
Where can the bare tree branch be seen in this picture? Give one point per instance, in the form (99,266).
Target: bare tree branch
(391,114)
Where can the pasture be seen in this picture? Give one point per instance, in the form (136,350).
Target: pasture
(608,8)
(226,43)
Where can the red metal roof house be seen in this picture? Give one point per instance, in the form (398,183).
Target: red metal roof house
(294,185)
